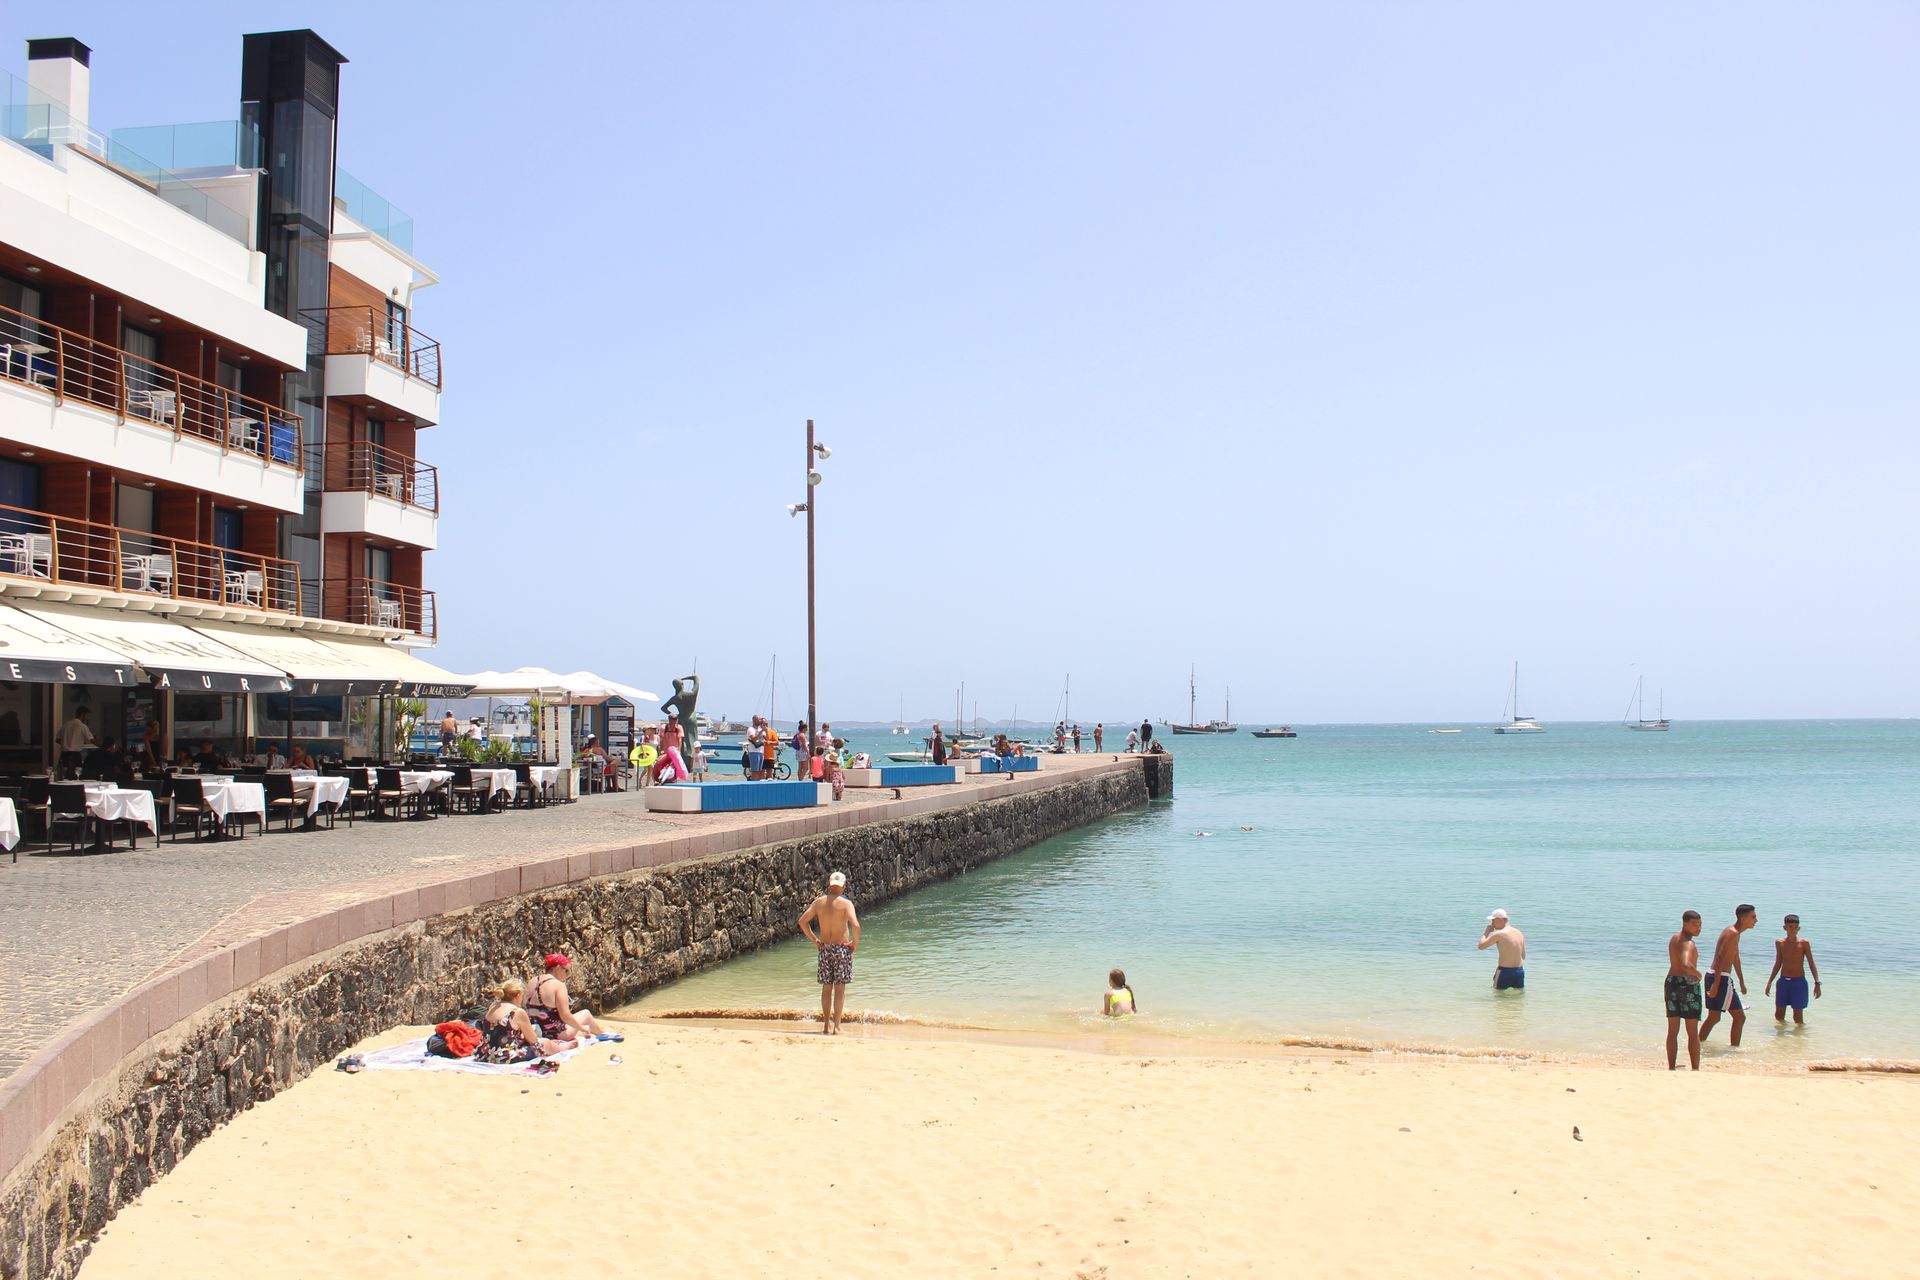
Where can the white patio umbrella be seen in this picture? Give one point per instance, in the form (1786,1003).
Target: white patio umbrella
(580,681)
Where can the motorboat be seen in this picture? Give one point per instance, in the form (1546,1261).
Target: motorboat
(1284,731)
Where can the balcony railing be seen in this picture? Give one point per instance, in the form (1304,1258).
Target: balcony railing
(71,366)
(40,547)
(370,468)
(371,603)
(363,331)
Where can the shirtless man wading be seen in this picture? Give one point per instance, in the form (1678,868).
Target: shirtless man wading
(1511,975)
(1721,997)
(1683,991)
(839,935)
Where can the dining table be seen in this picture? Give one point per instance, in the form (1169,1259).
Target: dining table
(108,803)
(226,797)
(320,791)
(489,783)
(9,823)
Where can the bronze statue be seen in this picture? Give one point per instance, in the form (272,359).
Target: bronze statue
(686,692)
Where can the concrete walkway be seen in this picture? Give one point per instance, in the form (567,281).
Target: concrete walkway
(77,931)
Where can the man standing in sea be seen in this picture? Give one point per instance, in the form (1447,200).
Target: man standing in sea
(1721,997)
(838,923)
(1683,991)
(1511,973)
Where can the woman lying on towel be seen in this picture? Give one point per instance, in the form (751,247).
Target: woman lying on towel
(511,1036)
(554,1015)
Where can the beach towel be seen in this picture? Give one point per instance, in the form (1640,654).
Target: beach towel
(413,1056)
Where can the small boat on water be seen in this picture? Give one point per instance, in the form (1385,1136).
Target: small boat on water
(911,757)
(1446,731)
(1640,724)
(1284,731)
(1517,723)
(1224,725)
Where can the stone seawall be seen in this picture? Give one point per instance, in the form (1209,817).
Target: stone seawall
(208,1060)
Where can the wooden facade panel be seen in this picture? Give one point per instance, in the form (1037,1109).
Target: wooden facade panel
(347,290)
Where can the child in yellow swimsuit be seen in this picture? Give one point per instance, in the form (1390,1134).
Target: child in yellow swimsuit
(1118,1001)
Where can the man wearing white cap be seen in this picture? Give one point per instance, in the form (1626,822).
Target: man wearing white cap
(839,935)
(1511,973)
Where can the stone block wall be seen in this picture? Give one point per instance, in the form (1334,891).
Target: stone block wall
(627,932)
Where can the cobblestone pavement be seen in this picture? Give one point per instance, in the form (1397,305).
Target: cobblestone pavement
(79,930)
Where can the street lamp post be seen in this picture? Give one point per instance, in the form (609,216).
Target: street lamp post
(813,496)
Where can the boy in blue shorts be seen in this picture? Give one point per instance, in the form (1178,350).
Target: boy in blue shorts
(1792,960)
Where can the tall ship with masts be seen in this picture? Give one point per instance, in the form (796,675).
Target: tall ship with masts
(1223,725)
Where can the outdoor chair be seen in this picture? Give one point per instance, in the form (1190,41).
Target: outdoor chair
(188,800)
(525,794)
(461,790)
(67,804)
(281,800)
(390,792)
(32,802)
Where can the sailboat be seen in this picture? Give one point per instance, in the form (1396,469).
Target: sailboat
(1517,723)
(900,729)
(1640,723)
(1225,725)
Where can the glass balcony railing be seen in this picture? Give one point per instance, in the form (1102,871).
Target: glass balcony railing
(373,211)
(40,125)
(211,144)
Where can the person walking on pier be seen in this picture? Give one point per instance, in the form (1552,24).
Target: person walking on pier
(1146,733)
(1076,739)
(1099,732)
(939,745)
(838,937)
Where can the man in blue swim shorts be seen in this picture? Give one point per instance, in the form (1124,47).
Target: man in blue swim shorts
(1511,974)
(1792,958)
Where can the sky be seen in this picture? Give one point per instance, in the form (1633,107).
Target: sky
(1343,354)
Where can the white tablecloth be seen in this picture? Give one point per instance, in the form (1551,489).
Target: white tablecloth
(493,782)
(121,804)
(320,791)
(9,824)
(422,781)
(544,775)
(227,798)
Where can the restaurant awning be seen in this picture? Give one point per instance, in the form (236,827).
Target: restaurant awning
(39,652)
(174,656)
(333,665)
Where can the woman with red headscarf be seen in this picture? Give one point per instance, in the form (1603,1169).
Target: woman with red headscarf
(551,1012)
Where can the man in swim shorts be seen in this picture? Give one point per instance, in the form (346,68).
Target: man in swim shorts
(1792,957)
(1511,973)
(1683,991)
(838,937)
(1721,997)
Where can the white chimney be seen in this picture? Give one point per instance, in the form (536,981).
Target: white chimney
(58,76)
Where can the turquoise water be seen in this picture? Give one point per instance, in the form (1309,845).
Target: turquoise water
(1335,884)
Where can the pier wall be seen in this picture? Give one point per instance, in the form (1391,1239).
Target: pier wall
(120,1099)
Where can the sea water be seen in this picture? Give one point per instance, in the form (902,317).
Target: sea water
(1335,885)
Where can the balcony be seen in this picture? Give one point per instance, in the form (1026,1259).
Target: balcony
(373,490)
(37,547)
(188,430)
(389,605)
(372,357)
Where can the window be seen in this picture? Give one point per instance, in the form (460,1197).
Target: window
(19,484)
(227,529)
(134,508)
(143,362)
(397,328)
(380,564)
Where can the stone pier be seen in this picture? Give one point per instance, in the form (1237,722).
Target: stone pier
(277,990)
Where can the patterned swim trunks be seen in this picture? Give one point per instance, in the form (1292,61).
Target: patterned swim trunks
(1683,997)
(836,964)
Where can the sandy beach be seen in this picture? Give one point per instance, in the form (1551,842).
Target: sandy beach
(761,1150)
